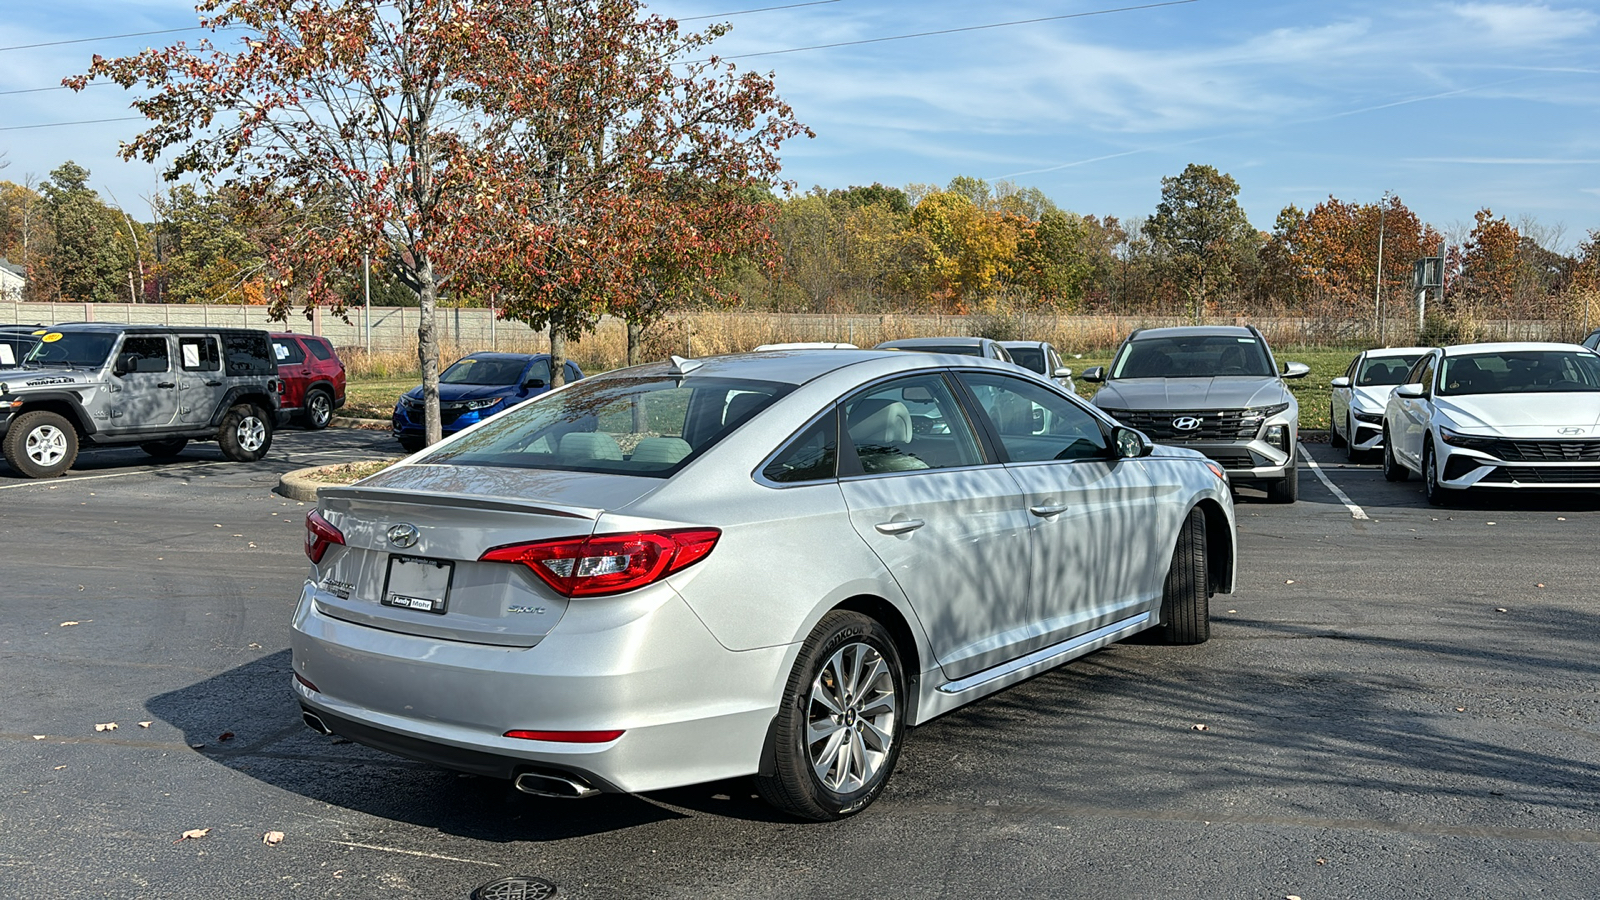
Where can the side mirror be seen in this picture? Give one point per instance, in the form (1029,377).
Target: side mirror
(125,363)
(1130,444)
(1062,372)
(1296,370)
(533,383)
(1094,374)
(1409,392)
(1341,382)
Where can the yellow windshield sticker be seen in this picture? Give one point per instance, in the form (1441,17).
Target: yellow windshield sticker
(39,332)
(52,337)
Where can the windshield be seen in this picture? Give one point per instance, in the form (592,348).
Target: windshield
(629,426)
(484,371)
(85,349)
(1520,372)
(1029,358)
(942,348)
(15,347)
(1385,370)
(1193,356)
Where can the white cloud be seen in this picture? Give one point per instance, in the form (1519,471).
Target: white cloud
(1526,24)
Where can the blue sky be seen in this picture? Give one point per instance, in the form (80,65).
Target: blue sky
(1450,105)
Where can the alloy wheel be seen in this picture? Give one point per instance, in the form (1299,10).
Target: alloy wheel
(320,409)
(252,433)
(850,718)
(46,445)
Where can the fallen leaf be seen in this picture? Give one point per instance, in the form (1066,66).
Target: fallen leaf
(225,736)
(1233,610)
(1292,897)
(1488,523)
(197,746)
(1200,727)
(272,837)
(1561,518)
(218,525)
(106,726)
(256,646)
(59,768)
(1500,609)
(1539,585)
(39,737)
(1461,709)
(65,624)
(1321,861)
(193,834)
(1290,581)
(144,724)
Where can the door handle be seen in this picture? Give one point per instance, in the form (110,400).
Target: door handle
(166,384)
(903,526)
(1045,512)
(213,384)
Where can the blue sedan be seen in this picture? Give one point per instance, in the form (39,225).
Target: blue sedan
(474,388)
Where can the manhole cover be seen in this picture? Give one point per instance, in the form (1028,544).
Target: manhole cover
(515,887)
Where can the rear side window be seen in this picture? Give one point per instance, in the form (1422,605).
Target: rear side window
(812,456)
(198,354)
(319,348)
(287,351)
(629,426)
(248,353)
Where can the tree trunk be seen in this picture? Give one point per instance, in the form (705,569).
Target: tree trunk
(635,340)
(558,352)
(428,351)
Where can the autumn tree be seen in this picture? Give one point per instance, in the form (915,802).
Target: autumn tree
(88,260)
(363,122)
(615,115)
(208,254)
(1490,263)
(1201,229)
(24,226)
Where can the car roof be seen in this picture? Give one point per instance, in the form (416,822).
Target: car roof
(501,354)
(801,366)
(1009,344)
(1193,331)
(120,328)
(1395,351)
(1512,347)
(913,343)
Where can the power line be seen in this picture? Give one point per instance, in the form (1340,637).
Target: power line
(903,37)
(57,87)
(64,124)
(746,12)
(105,37)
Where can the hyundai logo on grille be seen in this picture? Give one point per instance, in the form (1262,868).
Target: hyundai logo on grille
(1186,423)
(403,535)
(1571,431)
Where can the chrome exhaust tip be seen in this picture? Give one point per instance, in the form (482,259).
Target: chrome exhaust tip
(314,723)
(541,784)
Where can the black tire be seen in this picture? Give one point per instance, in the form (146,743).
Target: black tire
(1186,597)
(410,444)
(1287,488)
(1437,496)
(1335,439)
(1350,451)
(1392,470)
(318,410)
(793,784)
(165,449)
(246,433)
(41,444)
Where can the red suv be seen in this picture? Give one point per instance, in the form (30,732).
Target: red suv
(313,378)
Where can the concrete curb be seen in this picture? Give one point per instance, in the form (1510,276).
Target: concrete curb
(362,424)
(297,485)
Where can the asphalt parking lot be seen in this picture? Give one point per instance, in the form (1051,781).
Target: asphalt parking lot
(1399,701)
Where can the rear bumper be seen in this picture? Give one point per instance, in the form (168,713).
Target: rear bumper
(690,710)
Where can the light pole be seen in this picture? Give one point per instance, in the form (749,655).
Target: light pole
(1377,294)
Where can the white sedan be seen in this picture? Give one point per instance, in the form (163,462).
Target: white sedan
(1509,416)
(1358,398)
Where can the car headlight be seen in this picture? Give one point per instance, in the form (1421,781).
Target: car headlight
(1469,441)
(1369,418)
(1255,415)
(482,404)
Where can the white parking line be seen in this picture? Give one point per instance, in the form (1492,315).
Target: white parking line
(57,481)
(1356,512)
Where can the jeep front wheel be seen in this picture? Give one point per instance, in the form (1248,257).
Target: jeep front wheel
(246,433)
(41,444)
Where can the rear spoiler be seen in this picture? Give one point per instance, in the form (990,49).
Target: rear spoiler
(460,501)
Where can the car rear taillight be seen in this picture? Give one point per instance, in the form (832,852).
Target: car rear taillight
(320,535)
(608,563)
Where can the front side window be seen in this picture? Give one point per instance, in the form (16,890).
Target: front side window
(144,354)
(1520,372)
(629,426)
(1385,370)
(473,370)
(1192,356)
(1034,423)
(909,424)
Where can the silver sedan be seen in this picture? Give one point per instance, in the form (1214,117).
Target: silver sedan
(768,564)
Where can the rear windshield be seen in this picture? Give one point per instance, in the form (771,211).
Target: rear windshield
(484,371)
(1520,372)
(957,349)
(1193,356)
(630,426)
(1385,370)
(77,349)
(1029,358)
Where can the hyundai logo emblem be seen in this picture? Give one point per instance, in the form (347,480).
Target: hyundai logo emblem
(1186,423)
(403,535)
(1571,431)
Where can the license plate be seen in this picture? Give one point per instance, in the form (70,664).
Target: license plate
(418,583)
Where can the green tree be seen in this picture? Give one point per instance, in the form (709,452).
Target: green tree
(1200,228)
(88,260)
(207,254)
